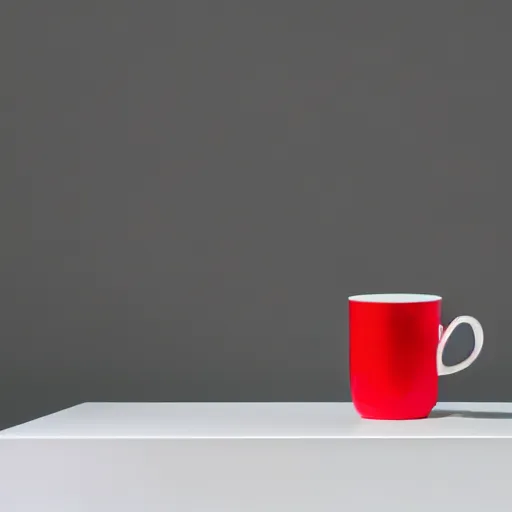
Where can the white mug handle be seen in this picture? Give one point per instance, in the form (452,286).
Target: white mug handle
(444,335)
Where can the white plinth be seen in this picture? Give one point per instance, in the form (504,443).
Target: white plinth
(296,457)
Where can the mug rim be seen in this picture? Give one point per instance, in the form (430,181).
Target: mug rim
(394,298)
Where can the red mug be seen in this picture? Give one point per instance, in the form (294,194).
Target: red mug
(396,353)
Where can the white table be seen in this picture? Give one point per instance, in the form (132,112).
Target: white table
(245,457)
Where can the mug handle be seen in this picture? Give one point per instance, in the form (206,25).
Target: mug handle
(444,335)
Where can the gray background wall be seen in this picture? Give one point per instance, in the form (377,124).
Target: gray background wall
(191,189)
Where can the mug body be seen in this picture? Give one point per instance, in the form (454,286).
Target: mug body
(393,341)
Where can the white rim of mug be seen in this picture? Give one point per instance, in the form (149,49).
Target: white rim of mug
(394,298)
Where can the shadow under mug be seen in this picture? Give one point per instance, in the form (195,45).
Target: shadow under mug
(396,344)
